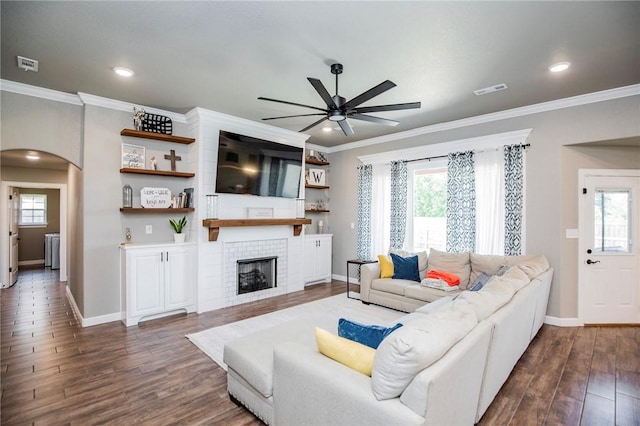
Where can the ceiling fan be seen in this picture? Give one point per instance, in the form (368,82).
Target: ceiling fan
(339,109)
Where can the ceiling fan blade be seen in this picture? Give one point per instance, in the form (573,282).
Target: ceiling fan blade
(322,91)
(291,103)
(371,93)
(346,128)
(373,119)
(394,107)
(314,124)
(290,116)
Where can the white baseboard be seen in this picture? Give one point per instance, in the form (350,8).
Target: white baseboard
(563,322)
(31,262)
(344,278)
(88,322)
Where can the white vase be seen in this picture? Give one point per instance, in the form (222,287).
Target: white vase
(179,238)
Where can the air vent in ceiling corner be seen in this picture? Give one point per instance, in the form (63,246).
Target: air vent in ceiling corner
(27,64)
(491,89)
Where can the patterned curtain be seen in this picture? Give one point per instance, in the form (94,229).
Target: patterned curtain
(513,192)
(364,211)
(461,203)
(398,203)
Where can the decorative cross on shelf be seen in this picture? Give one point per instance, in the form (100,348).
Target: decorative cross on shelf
(173,158)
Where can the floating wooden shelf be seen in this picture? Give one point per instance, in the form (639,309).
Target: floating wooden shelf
(317,211)
(157,136)
(316,162)
(143,210)
(214,225)
(157,172)
(316,186)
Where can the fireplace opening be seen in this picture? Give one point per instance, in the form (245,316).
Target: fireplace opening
(257,274)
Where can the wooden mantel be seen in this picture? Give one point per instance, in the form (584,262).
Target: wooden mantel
(214,225)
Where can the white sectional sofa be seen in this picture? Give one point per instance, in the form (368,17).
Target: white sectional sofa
(288,382)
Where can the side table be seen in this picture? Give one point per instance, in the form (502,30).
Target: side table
(359,263)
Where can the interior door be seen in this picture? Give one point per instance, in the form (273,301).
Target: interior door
(14,237)
(609,255)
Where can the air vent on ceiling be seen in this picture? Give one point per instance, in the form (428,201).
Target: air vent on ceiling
(27,64)
(491,89)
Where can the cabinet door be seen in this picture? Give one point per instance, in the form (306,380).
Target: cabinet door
(180,278)
(323,259)
(310,245)
(145,284)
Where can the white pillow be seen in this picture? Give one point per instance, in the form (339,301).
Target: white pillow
(415,346)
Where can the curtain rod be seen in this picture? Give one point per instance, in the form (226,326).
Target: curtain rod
(525,145)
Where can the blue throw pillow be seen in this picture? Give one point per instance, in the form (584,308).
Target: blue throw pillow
(405,268)
(479,282)
(369,335)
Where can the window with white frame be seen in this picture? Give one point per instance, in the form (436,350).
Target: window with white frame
(33,210)
(427,205)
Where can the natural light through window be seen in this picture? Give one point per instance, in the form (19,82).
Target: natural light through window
(429,208)
(611,233)
(33,209)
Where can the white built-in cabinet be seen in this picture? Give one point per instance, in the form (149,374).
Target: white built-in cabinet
(157,280)
(317,258)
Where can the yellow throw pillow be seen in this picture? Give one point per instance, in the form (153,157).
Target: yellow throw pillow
(386,266)
(352,354)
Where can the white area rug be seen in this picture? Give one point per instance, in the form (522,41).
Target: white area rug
(212,341)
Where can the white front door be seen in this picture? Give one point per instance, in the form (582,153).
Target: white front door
(609,256)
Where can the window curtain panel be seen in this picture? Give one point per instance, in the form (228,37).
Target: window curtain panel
(398,221)
(364,211)
(489,175)
(461,203)
(514,198)
(381,208)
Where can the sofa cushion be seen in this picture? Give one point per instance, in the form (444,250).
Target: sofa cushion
(485,263)
(352,354)
(427,294)
(456,263)
(516,277)
(414,347)
(479,282)
(405,268)
(423,259)
(386,266)
(368,335)
(390,285)
(495,294)
(534,266)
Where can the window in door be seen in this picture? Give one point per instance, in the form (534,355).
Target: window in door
(611,221)
(33,210)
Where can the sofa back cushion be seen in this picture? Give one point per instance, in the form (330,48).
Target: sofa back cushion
(534,266)
(423,259)
(495,294)
(456,263)
(485,263)
(414,347)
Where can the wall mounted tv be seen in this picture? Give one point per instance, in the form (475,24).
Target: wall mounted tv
(248,165)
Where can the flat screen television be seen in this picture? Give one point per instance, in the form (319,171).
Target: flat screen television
(248,165)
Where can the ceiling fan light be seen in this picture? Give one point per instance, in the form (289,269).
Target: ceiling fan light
(123,72)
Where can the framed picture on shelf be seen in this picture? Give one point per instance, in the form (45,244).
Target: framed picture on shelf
(133,156)
(317,177)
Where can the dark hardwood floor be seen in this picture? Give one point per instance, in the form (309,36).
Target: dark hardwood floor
(55,372)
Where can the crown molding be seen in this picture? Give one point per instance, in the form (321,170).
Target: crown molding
(39,92)
(589,98)
(114,104)
(247,127)
(477,144)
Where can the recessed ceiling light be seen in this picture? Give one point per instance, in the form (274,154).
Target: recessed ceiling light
(32,157)
(327,129)
(122,71)
(559,67)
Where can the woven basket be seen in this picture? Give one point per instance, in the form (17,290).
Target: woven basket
(157,124)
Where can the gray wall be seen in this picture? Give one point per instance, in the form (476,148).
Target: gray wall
(546,185)
(75,231)
(40,124)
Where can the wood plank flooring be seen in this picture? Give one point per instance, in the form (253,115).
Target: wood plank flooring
(54,372)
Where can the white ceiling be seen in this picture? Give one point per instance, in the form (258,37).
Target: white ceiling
(223,55)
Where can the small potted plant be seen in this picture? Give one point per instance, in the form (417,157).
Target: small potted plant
(178,226)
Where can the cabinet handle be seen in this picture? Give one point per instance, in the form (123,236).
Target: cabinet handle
(167,256)
(161,256)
